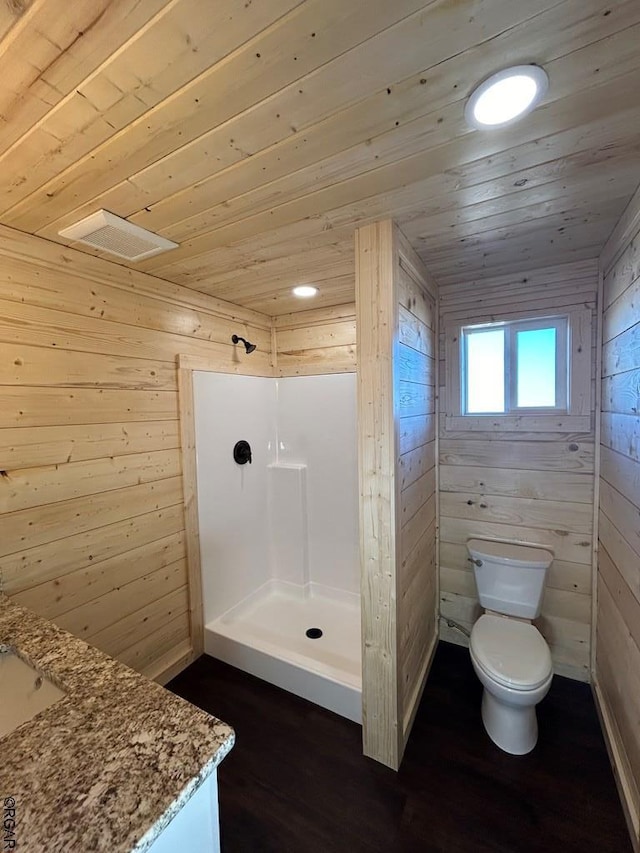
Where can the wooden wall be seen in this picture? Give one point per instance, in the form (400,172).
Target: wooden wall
(92,523)
(396,314)
(321,340)
(534,487)
(617,669)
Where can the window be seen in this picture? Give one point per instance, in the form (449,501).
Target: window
(520,373)
(514,367)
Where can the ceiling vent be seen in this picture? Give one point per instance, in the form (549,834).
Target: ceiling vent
(110,233)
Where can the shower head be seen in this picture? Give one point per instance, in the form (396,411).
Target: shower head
(248,347)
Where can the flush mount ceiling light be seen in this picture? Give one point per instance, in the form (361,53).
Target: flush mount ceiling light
(506,96)
(304,291)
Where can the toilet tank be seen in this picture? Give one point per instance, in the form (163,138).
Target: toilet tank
(510,577)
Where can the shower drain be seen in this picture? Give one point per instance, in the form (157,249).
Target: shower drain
(313,633)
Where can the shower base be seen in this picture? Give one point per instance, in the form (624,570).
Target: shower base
(265,635)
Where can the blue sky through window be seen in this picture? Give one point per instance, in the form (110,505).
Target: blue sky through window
(536,371)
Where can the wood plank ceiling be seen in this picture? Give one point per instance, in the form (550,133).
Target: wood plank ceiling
(259,133)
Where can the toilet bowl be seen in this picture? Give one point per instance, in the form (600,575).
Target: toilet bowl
(513,663)
(510,655)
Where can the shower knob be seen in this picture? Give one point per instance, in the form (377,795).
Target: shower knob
(242,452)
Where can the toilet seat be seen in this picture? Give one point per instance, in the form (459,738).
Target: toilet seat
(512,653)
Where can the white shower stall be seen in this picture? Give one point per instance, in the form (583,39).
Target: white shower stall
(279,535)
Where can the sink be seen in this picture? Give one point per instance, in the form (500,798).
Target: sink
(25,691)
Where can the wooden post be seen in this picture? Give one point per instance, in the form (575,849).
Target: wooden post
(395,311)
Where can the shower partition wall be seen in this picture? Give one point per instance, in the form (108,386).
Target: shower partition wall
(279,535)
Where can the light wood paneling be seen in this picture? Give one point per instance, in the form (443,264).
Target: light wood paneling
(617,664)
(396,402)
(321,340)
(91,494)
(531,487)
(259,135)
(376,308)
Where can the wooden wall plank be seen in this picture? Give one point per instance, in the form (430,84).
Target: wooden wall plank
(545,485)
(617,664)
(316,341)
(513,453)
(190,499)
(23,488)
(80,330)
(520,511)
(131,629)
(75,589)
(416,463)
(97,614)
(50,563)
(31,527)
(53,445)
(51,406)
(164,645)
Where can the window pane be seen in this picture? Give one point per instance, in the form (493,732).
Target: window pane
(485,371)
(536,351)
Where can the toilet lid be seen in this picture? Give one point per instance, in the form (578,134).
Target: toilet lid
(513,653)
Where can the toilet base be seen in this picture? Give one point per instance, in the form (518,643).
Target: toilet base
(514,729)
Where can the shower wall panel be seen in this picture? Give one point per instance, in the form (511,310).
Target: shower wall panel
(317,427)
(232,498)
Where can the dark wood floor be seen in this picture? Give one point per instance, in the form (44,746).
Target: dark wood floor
(296,781)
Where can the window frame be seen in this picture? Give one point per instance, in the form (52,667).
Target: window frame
(511,328)
(574,416)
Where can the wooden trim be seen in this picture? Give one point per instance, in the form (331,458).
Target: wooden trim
(596,481)
(621,771)
(190,493)
(414,703)
(376,313)
(437,413)
(171,664)
(274,349)
(196,362)
(578,415)
(514,423)
(396,327)
(622,234)
(414,265)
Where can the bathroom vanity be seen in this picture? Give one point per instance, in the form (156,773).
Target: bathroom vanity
(111,762)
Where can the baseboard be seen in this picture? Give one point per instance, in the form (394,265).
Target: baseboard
(171,664)
(621,771)
(414,704)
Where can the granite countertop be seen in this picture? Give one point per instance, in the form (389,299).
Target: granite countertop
(109,765)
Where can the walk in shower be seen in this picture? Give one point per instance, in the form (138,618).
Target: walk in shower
(279,533)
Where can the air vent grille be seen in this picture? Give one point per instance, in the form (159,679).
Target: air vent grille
(110,233)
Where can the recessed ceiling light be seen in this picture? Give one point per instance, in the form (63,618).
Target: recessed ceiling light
(506,96)
(304,291)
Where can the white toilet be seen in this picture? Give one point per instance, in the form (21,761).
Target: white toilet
(510,655)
